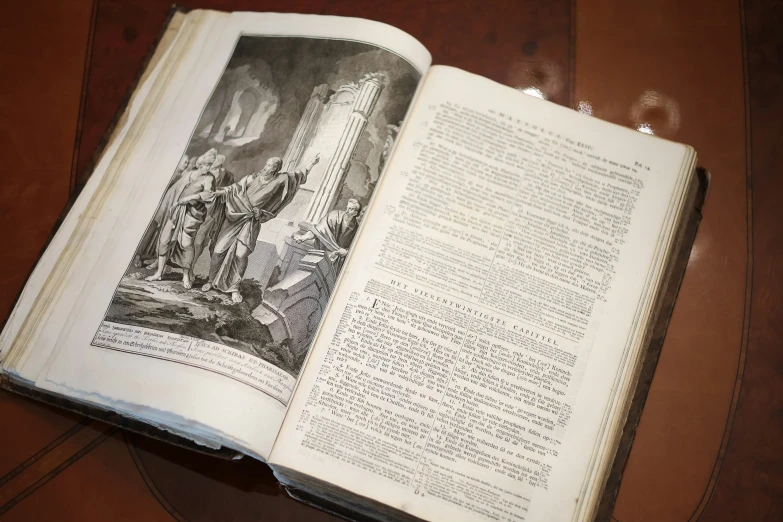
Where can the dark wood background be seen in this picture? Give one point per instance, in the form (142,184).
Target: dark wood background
(710,443)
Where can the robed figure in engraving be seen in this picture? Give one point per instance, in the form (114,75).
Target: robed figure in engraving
(334,233)
(223,178)
(208,231)
(148,247)
(246,204)
(192,193)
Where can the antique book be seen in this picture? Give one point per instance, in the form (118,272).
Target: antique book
(415,293)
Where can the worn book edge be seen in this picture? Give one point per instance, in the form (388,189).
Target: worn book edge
(97,154)
(657,335)
(107,415)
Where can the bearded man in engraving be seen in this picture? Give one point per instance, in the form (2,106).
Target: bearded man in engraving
(251,201)
(334,233)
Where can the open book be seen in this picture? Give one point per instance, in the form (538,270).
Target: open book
(415,293)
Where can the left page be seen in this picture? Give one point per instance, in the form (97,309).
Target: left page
(217,235)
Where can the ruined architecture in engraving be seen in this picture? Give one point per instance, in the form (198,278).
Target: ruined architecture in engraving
(331,126)
(298,131)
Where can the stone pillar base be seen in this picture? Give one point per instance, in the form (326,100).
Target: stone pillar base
(290,256)
(293,308)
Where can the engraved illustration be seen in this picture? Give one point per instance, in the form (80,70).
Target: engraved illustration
(253,229)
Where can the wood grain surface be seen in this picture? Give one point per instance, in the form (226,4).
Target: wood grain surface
(710,443)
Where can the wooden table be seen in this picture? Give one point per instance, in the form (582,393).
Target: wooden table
(707,73)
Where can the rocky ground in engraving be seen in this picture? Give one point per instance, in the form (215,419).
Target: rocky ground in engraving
(167,306)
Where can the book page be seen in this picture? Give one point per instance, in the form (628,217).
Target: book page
(206,262)
(468,363)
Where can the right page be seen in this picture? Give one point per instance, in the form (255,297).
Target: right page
(476,357)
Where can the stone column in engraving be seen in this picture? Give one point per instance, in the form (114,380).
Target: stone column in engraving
(306,128)
(367,95)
